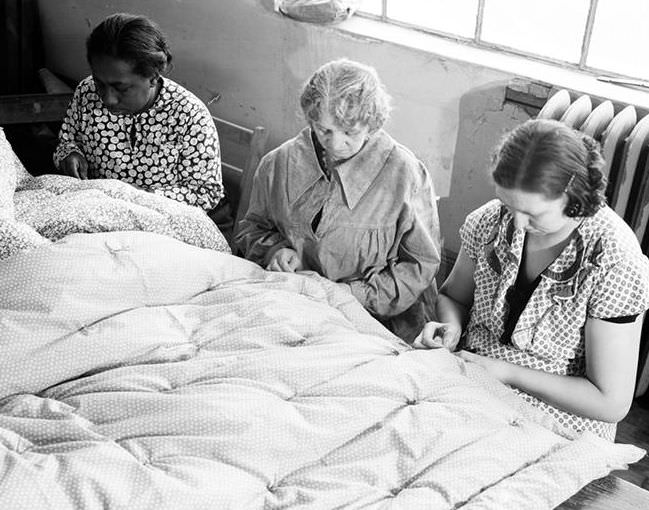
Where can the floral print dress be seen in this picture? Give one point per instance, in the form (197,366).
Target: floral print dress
(601,274)
(171,149)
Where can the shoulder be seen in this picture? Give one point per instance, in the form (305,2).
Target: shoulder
(481,226)
(485,217)
(85,90)
(411,170)
(612,242)
(86,85)
(182,98)
(291,148)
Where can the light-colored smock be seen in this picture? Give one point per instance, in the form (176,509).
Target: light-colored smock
(379,229)
(171,149)
(600,274)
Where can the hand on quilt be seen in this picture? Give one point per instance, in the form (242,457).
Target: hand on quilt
(496,367)
(285,259)
(75,165)
(436,335)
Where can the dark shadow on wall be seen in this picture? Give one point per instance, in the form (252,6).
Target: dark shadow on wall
(22,55)
(21,47)
(485,115)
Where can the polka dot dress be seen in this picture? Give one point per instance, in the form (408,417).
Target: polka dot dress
(600,274)
(171,149)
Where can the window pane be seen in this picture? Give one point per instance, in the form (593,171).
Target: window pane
(621,37)
(551,28)
(371,6)
(454,17)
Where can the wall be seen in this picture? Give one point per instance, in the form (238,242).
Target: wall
(449,112)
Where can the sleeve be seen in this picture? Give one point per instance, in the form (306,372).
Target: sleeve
(258,236)
(396,287)
(622,291)
(199,169)
(478,226)
(71,126)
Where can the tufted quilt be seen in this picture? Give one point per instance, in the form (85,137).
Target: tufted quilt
(159,375)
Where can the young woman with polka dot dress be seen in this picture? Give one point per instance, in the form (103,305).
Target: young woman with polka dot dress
(550,286)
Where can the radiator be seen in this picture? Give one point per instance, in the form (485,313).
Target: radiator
(623,133)
(624,137)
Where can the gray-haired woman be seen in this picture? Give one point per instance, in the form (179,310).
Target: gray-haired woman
(346,200)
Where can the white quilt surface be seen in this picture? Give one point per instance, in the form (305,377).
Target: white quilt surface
(139,372)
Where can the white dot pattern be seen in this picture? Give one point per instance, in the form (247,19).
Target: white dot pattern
(144,373)
(175,151)
(602,273)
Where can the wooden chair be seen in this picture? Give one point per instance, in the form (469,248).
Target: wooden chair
(241,150)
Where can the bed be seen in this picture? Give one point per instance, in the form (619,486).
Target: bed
(144,366)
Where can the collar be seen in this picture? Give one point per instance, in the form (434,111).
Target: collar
(356,174)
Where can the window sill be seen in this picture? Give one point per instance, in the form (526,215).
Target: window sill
(548,74)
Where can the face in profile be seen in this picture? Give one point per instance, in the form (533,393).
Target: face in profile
(534,212)
(340,143)
(121,90)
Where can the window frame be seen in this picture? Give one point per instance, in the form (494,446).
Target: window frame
(477,42)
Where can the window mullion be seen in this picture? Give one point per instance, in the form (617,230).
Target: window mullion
(477,36)
(588,33)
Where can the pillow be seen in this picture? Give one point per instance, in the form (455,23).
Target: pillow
(16,236)
(11,166)
(7,178)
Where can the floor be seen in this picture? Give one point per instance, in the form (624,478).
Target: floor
(634,429)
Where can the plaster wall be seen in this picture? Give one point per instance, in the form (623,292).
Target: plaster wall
(449,112)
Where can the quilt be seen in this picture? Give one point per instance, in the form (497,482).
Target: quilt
(161,375)
(38,210)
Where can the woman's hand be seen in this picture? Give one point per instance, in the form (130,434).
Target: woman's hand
(286,260)
(75,165)
(438,334)
(496,367)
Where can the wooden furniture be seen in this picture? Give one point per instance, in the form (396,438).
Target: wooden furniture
(608,493)
(241,150)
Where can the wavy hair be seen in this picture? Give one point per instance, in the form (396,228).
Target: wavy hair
(548,157)
(350,92)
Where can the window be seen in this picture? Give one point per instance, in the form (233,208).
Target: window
(599,36)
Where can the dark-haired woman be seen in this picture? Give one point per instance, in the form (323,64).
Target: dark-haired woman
(127,121)
(550,286)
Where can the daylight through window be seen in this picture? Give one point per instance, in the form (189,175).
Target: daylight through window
(599,36)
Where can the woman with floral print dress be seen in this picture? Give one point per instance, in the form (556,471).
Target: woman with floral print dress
(550,286)
(127,121)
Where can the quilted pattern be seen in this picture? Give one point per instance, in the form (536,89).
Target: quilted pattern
(56,205)
(160,375)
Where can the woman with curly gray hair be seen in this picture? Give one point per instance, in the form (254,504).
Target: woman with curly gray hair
(346,200)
